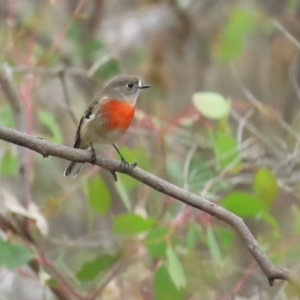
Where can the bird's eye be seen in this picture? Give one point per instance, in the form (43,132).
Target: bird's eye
(130,85)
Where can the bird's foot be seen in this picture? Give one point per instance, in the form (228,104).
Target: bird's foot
(124,162)
(126,165)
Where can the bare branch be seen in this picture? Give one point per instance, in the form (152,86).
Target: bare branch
(46,148)
(20,120)
(52,72)
(71,71)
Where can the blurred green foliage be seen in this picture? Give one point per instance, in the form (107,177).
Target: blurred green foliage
(239,24)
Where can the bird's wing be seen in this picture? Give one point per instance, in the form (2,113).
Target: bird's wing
(87,114)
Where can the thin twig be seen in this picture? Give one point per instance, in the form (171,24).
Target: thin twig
(83,156)
(57,291)
(52,72)
(67,98)
(286,33)
(98,64)
(241,125)
(186,166)
(70,71)
(271,146)
(213,180)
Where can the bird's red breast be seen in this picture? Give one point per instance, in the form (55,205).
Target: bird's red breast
(118,114)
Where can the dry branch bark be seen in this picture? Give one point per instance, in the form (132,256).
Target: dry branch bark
(46,148)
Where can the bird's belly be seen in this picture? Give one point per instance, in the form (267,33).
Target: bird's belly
(95,132)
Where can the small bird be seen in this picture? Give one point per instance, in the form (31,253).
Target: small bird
(107,117)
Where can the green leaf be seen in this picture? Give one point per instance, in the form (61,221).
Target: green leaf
(267,217)
(175,269)
(265,186)
(226,149)
(91,269)
(213,246)
(14,254)
(211,105)
(156,241)
(130,223)
(239,25)
(99,197)
(9,164)
(242,204)
(164,288)
(48,120)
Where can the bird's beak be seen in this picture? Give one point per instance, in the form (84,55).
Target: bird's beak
(144,86)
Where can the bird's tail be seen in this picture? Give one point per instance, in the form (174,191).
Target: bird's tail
(73,169)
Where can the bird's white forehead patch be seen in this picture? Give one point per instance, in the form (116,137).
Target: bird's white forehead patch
(140,83)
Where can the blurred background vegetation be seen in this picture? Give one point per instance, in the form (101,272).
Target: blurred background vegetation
(221,120)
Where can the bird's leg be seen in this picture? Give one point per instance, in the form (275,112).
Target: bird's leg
(125,163)
(93,154)
(123,160)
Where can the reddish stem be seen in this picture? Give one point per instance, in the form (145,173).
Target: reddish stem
(183,217)
(56,275)
(242,280)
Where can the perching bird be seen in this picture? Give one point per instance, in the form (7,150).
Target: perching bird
(107,117)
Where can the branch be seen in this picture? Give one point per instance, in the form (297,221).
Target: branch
(287,34)
(70,71)
(52,72)
(20,120)
(46,148)
(67,98)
